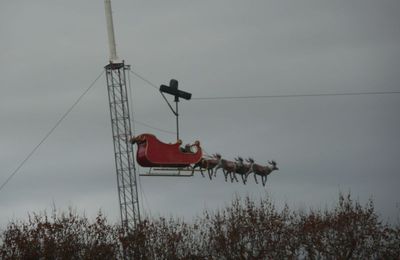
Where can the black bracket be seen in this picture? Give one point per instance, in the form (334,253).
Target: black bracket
(173,90)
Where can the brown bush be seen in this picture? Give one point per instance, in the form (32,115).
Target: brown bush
(244,230)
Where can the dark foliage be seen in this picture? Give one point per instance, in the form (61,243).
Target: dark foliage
(244,230)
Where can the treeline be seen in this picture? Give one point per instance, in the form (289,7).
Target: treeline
(246,229)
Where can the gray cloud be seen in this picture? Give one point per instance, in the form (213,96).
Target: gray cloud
(52,50)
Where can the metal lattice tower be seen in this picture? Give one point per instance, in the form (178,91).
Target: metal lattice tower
(123,149)
(121,130)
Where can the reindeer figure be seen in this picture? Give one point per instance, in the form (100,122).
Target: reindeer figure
(218,157)
(230,168)
(241,169)
(207,164)
(263,171)
(225,165)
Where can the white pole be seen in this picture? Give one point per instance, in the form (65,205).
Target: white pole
(110,32)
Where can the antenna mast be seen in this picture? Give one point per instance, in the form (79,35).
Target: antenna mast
(110,32)
(121,130)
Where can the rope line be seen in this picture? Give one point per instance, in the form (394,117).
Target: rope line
(298,95)
(155,87)
(155,128)
(277,96)
(49,133)
(136,170)
(144,79)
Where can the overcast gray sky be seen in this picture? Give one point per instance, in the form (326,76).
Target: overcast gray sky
(52,50)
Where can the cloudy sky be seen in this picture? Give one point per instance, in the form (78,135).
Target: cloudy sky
(51,51)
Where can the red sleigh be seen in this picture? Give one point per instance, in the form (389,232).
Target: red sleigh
(152,152)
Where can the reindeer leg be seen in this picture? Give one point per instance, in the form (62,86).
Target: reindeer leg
(243,179)
(210,172)
(255,178)
(246,175)
(215,171)
(225,174)
(201,171)
(234,176)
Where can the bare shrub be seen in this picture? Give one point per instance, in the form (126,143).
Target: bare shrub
(243,230)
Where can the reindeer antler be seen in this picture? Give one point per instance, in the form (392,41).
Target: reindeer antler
(216,155)
(240,159)
(250,160)
(272,162)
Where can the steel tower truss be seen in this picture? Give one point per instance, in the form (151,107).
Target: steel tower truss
(123,149)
